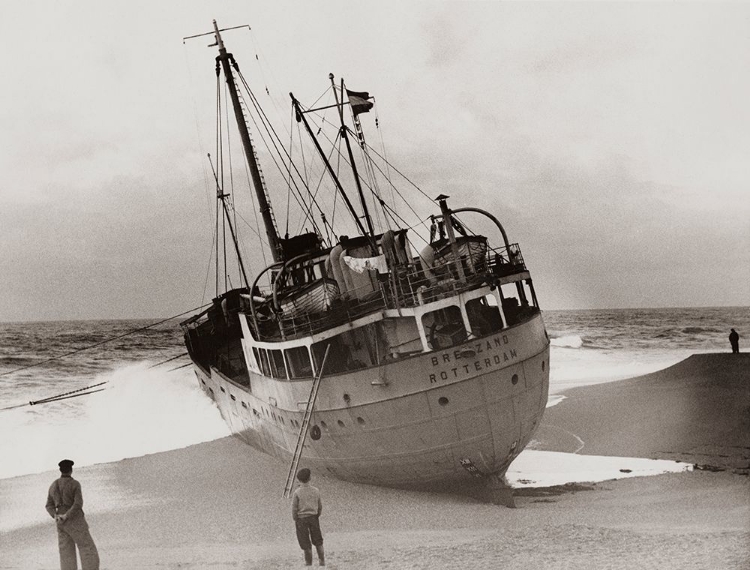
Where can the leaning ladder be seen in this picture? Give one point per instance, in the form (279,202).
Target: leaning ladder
(304,427)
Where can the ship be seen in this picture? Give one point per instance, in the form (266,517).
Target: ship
(363,356)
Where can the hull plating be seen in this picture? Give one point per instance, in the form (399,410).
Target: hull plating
(435,418)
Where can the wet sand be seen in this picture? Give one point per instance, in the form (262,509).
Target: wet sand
(218,505)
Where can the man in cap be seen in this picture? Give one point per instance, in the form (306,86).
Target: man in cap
(65,505)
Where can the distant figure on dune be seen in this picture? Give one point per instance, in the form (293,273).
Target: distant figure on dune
(306,510)
(65,505)
(734,340)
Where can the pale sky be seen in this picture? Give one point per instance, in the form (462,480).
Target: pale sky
(611,139)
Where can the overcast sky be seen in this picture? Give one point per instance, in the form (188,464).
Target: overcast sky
(612,140)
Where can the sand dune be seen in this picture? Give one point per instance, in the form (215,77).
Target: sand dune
(218,505)
(696,411)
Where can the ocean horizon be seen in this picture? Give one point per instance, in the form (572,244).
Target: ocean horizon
(146,407)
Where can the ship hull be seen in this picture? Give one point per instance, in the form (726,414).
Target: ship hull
(434,419)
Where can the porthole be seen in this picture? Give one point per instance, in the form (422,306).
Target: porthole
(514,379)
(542,365)
(244,405)
(233,398)
(361,421)
(341,424)
(315,433)
(443,401)
(222,389)
(323,424)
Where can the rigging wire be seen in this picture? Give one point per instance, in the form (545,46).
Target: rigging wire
(400,174)
(382,146)
(323,174)
(274,138)
(218,156)
(382,202)
(289,171)
(231,178)
(261,66)
(208,265)
(264,120)
(201,146)
(100,343)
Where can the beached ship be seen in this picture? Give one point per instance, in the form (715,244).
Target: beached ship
(375,362)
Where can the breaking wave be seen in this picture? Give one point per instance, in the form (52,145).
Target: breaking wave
(141,411)
(571,341)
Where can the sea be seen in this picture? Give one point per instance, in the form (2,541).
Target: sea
(144,397)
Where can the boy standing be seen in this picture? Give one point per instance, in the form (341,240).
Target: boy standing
(306,510)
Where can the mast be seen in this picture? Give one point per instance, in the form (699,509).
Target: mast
(265,208)
(351,156)
(301,117)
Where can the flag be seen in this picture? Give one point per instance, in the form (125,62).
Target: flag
(359,101)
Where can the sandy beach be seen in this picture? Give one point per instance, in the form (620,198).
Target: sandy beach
(218,505)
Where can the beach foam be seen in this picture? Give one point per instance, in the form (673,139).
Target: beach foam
(549,468)
(142,410)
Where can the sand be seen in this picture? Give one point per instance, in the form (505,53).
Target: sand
(218,505)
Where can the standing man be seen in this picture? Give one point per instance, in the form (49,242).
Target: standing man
(65,505)
(734,340)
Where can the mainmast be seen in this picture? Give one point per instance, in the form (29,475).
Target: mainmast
(265,208)
(301,118)
(365,211)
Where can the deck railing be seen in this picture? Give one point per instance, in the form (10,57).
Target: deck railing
(405,286)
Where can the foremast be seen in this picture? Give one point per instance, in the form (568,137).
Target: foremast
(226,60)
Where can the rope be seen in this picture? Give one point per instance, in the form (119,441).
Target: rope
(168,360)
(58,397)
(105,341)
(65,394)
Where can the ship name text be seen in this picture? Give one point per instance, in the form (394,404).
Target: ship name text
(494,353)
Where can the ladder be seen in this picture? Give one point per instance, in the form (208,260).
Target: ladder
(304,427)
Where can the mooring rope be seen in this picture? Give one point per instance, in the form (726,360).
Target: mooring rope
(58,397)
(105,341)
(168,360)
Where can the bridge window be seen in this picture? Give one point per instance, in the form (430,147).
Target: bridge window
(265,366)
(484,315)
(298,362)
(444,327)
(277,363)
(351,350)
(518,301)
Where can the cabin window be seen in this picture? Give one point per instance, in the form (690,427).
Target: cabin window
(298,362)
(265,365)
(256,354)
(277,363)
(484,316)
(444,327)
(351,350)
